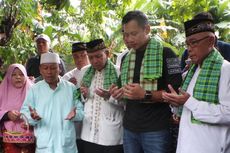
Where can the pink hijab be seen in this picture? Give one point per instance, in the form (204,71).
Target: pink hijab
(12,98)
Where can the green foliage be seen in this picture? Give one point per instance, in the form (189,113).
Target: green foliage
(56,4)
(16,20)
(18,49)
(176,12)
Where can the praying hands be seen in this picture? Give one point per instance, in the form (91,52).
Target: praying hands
(174,98)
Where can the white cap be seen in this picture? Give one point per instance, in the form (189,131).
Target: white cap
(43,36)
(50,58)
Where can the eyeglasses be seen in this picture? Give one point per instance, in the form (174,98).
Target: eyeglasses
(194,43)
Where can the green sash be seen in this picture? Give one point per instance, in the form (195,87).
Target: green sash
(151,68)
(110,76)
(207,84)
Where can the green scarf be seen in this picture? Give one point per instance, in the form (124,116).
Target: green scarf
(151,68)
(207,84)
(77,94)
(110,75)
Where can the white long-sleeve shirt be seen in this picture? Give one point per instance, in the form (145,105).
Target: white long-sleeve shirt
(54,134)
(102,123)
(213,136)
(76,73)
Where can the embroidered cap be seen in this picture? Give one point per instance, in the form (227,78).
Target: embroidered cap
(43,36)
(202,22)
(79,46)
(50,58)
(95,45)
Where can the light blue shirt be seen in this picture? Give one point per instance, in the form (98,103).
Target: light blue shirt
(53,133)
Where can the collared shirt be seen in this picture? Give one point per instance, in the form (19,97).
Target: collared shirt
(211,136)
(76,73)
(102,123)
(54,134)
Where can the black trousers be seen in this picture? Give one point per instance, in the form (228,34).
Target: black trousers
(95,148)
(80,146)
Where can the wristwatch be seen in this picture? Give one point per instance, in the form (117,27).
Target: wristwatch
(148,95)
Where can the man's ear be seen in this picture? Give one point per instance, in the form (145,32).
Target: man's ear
(147,29)
(107,52)
(212,41)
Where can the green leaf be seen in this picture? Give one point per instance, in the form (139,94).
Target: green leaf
(48,30)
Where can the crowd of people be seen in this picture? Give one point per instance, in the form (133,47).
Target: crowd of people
(127,107)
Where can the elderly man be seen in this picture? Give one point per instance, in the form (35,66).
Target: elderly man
(205,93)
(80,59)
(51,107)
(145,72)
(102,125)
(43,46)
(222,47)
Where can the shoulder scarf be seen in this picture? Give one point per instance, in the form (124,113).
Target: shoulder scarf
(207,84)
(110,75)
(151,68)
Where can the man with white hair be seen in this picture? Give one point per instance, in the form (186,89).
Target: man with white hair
(205,93)
(43,44)
(52,106)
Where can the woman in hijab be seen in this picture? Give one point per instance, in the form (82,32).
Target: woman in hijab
(13,90)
